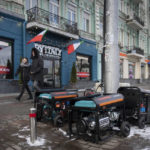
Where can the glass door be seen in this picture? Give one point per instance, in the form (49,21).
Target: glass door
(48,73)
(52,73)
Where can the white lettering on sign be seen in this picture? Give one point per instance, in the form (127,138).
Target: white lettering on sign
(48,50)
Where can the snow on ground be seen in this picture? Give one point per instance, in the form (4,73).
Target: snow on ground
(63,132)
(26,128)
(144,133)
(38,142)
(147,148)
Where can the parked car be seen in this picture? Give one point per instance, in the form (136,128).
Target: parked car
(92,118)
(137,105)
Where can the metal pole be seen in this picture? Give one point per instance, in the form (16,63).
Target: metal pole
(111,60)
(32,116)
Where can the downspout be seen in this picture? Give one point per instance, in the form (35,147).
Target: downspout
(24,39)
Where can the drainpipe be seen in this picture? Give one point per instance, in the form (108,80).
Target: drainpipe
(24,39)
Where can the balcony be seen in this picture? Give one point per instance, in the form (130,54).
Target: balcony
(87,35)
(12,7)
(135,22)
(40,18)
(135,52)
(137,1)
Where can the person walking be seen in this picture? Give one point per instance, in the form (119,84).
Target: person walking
(24,69)
(36,69)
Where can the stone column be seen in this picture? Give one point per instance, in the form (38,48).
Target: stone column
(146,71)
(138,70)
(125,69)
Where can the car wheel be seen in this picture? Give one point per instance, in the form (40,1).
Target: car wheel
(141,122)
(125,128)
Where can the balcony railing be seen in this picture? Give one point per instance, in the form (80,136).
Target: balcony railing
(138,20)
(135,17)
(135,50)
(47,18)
(87,35)
(12,6)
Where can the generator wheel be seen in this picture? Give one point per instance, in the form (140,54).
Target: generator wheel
(125,128)
(141,122)
(58,121)
(39,109)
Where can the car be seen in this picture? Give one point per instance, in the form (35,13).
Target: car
(93,117)
(137,105)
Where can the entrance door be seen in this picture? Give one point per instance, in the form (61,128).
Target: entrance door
(52,73)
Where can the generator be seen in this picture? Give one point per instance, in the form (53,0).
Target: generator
(93,117)
(137,105)
(51,105)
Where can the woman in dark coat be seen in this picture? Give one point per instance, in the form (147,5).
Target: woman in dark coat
(24,69)
(36,69)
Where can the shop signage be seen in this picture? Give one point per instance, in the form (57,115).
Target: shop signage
(48,51)
(4,70)
(83,74)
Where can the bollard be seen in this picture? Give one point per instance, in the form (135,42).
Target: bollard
(32,116)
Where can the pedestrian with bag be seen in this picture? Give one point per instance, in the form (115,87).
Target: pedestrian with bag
(36,69)
(24,69)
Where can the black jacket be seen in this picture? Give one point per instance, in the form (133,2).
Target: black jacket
(37,67)
(24,69)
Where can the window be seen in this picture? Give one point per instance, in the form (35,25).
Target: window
(131,70)
(121,68)
(122,37)
(86,22)
(101,25)
(128,39)
(6,63)
(31,4)
(83,65)
(71,13)
(54,9)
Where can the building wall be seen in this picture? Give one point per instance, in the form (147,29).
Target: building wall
(12,28)
(131,36)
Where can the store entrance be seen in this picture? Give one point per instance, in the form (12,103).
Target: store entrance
(52,73)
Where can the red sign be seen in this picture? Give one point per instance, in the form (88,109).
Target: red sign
(83,74)
(4,70)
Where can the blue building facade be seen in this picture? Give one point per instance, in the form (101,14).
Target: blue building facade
(64,62)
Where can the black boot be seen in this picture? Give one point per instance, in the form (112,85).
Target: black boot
(30,97)
(18,98)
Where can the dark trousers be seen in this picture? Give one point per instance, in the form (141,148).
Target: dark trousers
(25,86)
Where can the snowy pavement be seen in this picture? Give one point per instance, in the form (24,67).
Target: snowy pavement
(15,134)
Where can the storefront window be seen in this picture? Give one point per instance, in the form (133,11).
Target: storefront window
(6,70)
(83,65)
(131,70)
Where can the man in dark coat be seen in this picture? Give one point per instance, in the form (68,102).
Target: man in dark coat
(24,69)
(36,69)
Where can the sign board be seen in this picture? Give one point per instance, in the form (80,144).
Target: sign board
(83,74)
(4,70)
(48,51)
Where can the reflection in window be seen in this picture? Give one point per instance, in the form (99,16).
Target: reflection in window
(71,13)
(54,9)
(6,70)
(86,22)
(83,65)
